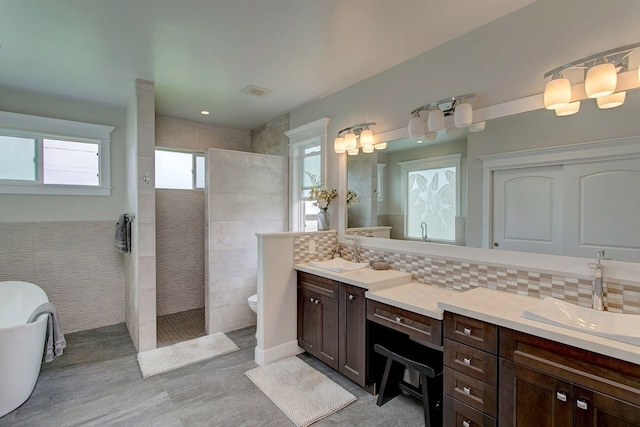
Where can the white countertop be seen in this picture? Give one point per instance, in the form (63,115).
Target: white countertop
(413,296)
(505,309)
(492,306)
(365,278)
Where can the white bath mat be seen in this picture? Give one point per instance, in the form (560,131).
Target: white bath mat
(164,359)
(301,392)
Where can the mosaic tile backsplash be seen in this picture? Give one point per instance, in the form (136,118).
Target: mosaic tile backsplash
(458,275)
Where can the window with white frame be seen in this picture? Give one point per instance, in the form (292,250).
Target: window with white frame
(306,157)
(431,197)
(41,155)
(179,170)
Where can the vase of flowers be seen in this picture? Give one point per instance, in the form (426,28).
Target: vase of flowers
(323,198)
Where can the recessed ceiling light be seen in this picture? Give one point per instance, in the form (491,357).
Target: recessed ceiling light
(204,112)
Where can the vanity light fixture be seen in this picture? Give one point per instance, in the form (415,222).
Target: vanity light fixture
(600,80)
(355,137)
(456,106)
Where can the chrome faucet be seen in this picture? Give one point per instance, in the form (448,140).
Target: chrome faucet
(355,245)
(598,293)
(423,226)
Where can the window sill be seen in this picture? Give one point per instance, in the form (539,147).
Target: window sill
(55,190)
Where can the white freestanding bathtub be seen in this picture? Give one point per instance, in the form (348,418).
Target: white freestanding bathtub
(21,343)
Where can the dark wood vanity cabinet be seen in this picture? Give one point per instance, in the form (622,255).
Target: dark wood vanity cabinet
(318,318)
(546,383)
(498,376)
(353,334)
(470,372)
(332,324)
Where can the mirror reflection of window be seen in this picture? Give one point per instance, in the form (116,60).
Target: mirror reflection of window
(431,202)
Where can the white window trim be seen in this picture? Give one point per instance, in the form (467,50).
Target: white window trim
(380,182)
(312,133)
(428,163)
(46,127)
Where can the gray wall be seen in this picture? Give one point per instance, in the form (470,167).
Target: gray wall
(65,244)
(74,262)
(179,250)
(501,61)
(270,138)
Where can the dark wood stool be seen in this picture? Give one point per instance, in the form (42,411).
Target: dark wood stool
(430,381)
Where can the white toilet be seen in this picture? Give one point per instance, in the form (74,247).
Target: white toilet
(253,303)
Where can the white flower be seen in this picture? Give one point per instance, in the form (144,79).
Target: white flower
(323,204)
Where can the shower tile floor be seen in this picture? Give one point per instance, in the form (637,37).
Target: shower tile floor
(97,382)
(178,327)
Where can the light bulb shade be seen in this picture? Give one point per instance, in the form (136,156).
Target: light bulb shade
(430,136)
(463,115)
(569,109)
(380,146)
(416,126)
(611,101)
(557,93)
(477,127)
(338,145)
(436,120)
(367,149)
(453,132)
(350,142)
(601,80)
(366,138)
(353,152)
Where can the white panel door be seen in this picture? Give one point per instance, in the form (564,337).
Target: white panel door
(527,209)
(602,209)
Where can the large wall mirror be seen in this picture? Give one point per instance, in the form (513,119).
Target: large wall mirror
(598,202)
(415,187)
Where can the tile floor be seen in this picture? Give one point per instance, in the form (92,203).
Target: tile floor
(97,382)
(178,327)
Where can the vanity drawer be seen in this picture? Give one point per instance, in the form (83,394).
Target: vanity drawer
(457,414)
(475,333)
(318,284)
(471,391)
(420,328)
(471,361)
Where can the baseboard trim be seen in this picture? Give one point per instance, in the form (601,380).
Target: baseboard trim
(264,357)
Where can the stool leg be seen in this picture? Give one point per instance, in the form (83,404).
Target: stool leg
(385,379)
(425,399)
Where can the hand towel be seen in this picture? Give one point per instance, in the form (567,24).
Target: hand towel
(55,341)
(123,234)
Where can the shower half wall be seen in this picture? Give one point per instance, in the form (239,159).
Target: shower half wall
(245,194)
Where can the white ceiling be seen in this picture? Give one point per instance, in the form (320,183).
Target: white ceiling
(201,53)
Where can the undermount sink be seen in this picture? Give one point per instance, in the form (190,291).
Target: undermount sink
(377,278)
(615,326)
(339,265)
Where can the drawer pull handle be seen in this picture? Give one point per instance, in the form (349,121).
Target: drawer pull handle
(467,331)
(466,361)
(351,297)
(466,424)
(562,397)
(582,404)
(311,299)
(399,320)
(467,390)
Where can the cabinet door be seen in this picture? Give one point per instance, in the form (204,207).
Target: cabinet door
(307,320)
(353,336)
(597,409)
(327,330)
(531,398)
